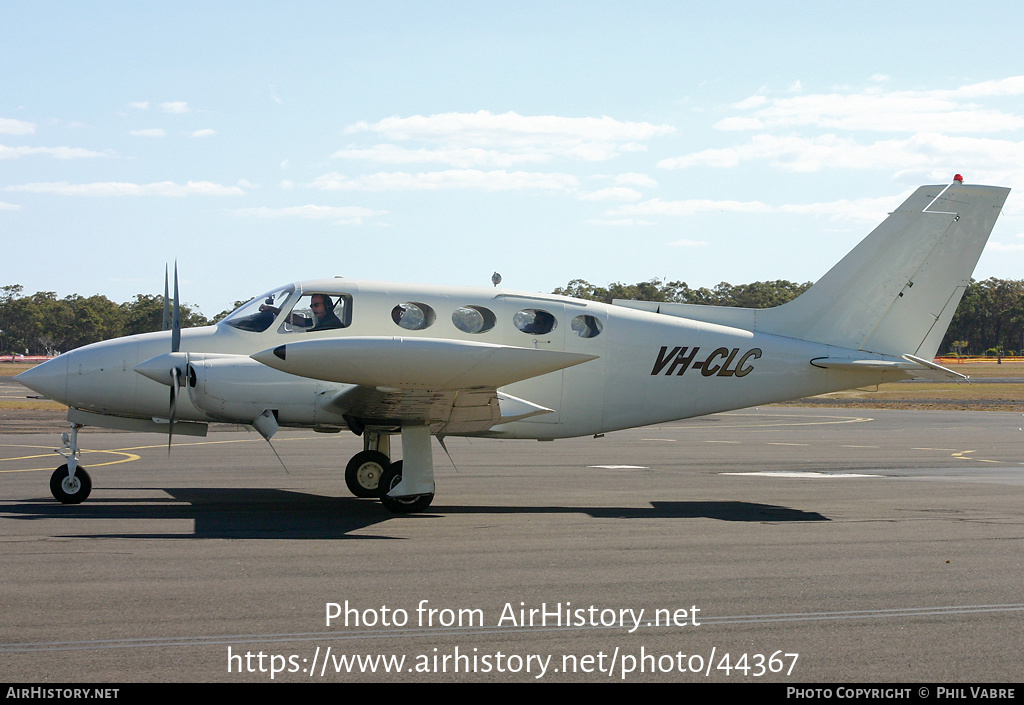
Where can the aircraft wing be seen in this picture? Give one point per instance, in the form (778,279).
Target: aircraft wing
(450,384)
(448,412)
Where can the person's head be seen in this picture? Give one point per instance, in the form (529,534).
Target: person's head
(321,305)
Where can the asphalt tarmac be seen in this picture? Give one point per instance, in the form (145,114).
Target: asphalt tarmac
(775,544)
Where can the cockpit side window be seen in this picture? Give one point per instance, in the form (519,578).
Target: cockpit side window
(258,315)
(318,311)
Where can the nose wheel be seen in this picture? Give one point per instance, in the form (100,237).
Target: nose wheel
(70,489)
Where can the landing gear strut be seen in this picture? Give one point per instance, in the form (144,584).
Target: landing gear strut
(405,486)
(70,483)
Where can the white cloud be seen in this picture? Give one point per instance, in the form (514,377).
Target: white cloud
(878,110)
(633,179)
(487,139)
(619,223)
(460,157)
(204,133)
(9,206)
(687,243)
(483,127)
(656,206)
(114,188)
(10,126)
(807,154)
(55,152)
(151,132)
(139,105)
(343,215)
(864,209)
(178,107)
(471,179)
(1006,247)
(615,193)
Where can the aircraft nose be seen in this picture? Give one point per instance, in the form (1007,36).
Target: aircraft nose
(49,379)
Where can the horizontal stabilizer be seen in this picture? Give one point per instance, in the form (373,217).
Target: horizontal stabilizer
(415,363)
(912,367)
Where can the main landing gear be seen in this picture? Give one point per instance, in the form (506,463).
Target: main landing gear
(403,487)
(70,483)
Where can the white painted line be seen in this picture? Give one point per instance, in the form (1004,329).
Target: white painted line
(801,474)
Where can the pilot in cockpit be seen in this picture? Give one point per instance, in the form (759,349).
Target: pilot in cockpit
(324,317)
(323,310)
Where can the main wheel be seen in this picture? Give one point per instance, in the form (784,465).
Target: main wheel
(70,490)
(363,472)
(406,505)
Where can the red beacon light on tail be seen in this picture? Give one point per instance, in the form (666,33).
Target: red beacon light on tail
(958,178)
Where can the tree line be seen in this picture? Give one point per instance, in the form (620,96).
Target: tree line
(42,324)
(989,320)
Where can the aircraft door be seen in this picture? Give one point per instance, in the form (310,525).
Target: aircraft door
(537,323)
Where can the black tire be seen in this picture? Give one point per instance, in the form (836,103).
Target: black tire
(407,505)
(363,472)
(70,490)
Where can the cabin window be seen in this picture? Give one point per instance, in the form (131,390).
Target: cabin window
(473,319)
(257,315)
(317,311)
(534,321)
(413,316)
(587,326)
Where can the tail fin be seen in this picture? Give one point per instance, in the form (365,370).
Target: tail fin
(894,293)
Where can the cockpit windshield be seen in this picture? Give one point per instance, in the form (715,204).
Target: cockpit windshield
(259,314)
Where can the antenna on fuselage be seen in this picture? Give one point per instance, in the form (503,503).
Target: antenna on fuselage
(495,279)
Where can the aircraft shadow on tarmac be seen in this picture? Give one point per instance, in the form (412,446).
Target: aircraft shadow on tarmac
(281,514)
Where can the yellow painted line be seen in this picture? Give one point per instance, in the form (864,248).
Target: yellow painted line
(128,457)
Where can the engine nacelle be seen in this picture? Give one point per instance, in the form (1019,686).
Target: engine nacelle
(237,389)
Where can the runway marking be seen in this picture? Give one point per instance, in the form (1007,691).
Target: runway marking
(835,420)
(665,440)
(128,457)
(963,456)
(860,446)
(620,467)
(772,443)
(800,474)
(432,633)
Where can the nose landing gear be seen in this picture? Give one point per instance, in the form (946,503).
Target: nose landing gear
(70,483)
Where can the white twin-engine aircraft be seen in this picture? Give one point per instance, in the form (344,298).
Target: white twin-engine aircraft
(381,359)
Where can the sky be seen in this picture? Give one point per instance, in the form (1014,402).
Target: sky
(259,143)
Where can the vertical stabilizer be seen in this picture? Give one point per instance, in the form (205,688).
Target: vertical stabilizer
(896,292)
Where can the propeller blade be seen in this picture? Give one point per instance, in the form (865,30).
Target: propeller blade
(175,386)
(167,302)
(176,316)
